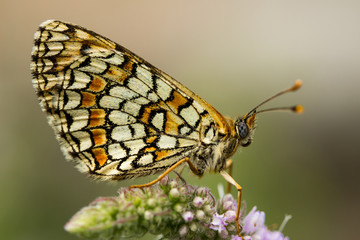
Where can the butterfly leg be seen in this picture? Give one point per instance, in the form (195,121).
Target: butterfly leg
(230,180)
(180,169)
(172,168)
(229,165)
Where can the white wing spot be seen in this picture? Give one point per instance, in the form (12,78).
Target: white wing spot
(139,130)
(121,133)
(110,169)
(210,134)
(56,36)
(166,142)
(126,165)
(187,142)
(116,151)
(117,59)
(138,86)
(135,146)
(163,90)
(145,159)
(185,130)
(121,118)
(80,119)
(153,97)
(190,115)
(81,80)
(144,75)
(123,92)
(158,121)
(198,107)
(74,100)
(131,108)
(110,102)
(84,139)
(141,100)
(95,66)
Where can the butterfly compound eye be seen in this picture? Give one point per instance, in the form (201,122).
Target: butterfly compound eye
(242,129)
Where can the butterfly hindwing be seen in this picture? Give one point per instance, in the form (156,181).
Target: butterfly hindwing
(115,115)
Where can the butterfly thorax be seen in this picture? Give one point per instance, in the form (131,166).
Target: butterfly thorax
(211,155)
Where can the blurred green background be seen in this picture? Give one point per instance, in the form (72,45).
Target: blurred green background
(234,54)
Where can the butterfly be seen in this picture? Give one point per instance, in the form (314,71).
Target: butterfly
(118,117)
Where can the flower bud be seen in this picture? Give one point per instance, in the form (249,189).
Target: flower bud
(148,215)
(183,231)
(188,216)
(174,193)
(198,202)
(200,215)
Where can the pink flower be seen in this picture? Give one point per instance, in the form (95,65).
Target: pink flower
(266,234)
(254,221)
(218,223)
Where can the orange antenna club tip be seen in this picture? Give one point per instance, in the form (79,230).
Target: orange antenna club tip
(298,108)
(297,85)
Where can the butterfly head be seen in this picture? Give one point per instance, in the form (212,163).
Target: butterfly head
(245,126)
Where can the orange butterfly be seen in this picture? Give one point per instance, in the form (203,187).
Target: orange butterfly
(118,117)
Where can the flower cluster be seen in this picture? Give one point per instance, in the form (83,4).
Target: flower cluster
(170,209)
(253,224)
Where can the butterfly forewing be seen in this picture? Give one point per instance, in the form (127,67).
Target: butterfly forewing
(115,115)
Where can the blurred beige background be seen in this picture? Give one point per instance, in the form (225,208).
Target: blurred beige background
(234,54)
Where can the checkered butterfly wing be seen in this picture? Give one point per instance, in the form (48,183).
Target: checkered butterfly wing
(115,115)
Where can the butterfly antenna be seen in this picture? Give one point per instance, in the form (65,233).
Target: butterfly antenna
(296,108)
